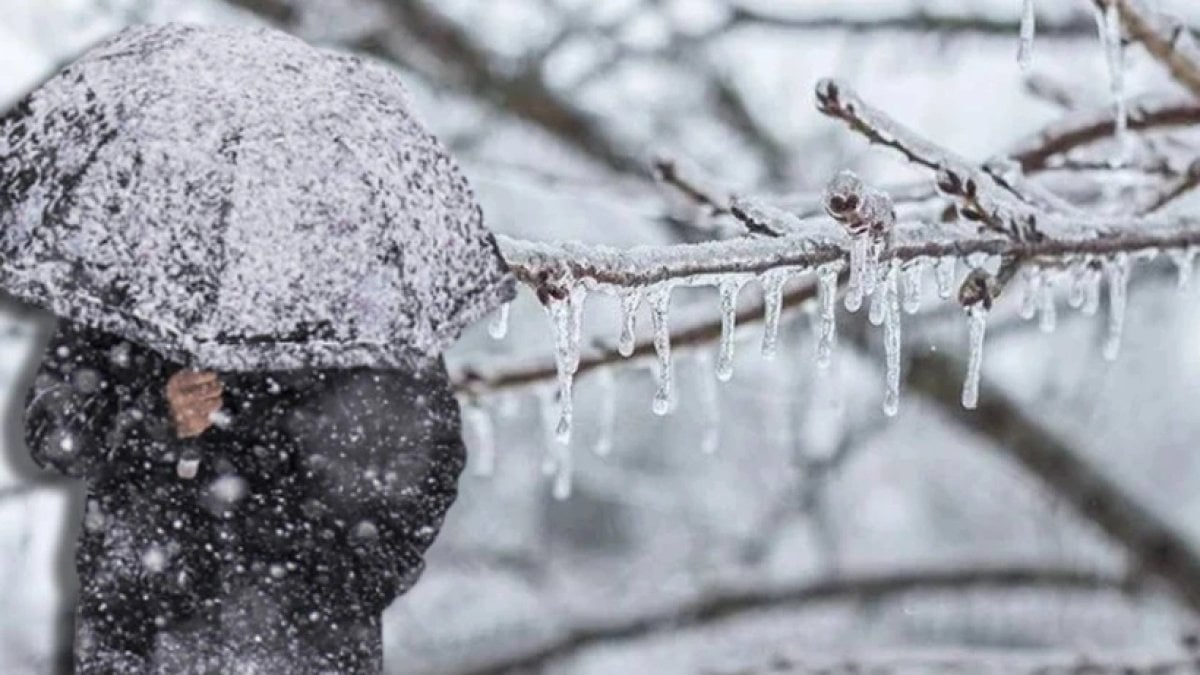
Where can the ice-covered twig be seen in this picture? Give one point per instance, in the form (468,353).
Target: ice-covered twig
(1084,127)
(921,21)
(693,187)
(982,198)
(550,268)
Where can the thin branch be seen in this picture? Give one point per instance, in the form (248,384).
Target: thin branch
(921,22)
(1165,38)
(1179,188)
(723,604)
(1089,126)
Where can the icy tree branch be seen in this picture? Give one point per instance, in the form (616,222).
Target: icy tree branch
(920,21)
(1085,127)
(721,604)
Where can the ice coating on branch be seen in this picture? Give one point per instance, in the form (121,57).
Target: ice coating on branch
(1116,269)
(728,289)
(498,326)
(977,327)
(1048,311)
(772,288)
(1184,259)
(240,200)
(482,433)
(944,270)
(1028,32)
(912,277)
(630,300)
(827,277)
(660,316)
(891,339)
(607,385)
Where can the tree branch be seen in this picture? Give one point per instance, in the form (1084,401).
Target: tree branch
(1085,127)
(921,21)
(1166,39)
(722,604)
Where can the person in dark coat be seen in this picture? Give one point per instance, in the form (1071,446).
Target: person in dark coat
(241,522)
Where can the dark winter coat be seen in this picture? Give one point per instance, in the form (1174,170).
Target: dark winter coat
(309,513)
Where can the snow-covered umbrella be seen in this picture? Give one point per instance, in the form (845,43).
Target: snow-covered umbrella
(239,200)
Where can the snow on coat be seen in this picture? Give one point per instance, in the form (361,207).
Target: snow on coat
(239,200)
(309,512)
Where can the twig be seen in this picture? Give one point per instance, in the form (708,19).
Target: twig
(1089,126)
(921,21)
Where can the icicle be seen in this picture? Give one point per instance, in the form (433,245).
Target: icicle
(772,287)
(483,433)
(498,327)
(546,413)
(1078,291)
(566,315)
(1117,269)
(566,408)
(891,339)
(1184,259)
(1108,21)
(1031,279)
(575,326)
(607,385)
(660,308)
(878,307)
(710,399)
(912,285)
(827,276)
(944,270)
(858,262)
(1049,317)
(1091,292)
(977,314)
(729,289)
(1028,31)
(629,306)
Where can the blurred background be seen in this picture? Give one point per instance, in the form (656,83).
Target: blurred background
(777,522)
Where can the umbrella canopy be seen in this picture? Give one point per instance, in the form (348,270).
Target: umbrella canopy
(239,200)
